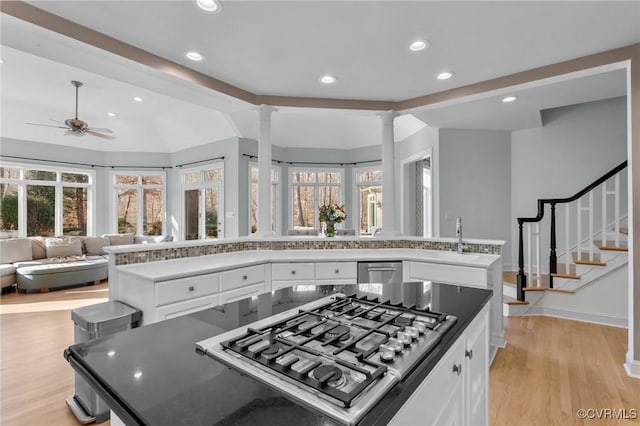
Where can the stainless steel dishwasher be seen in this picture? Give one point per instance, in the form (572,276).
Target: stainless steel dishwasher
(380,272)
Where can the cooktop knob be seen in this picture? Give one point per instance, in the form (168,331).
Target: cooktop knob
(420,326)
(412,331)
(404,337)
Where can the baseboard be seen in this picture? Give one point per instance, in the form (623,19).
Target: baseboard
(591,317)
(632,366)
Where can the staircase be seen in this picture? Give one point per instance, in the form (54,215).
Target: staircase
(588,254)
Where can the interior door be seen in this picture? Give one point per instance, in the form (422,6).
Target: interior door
(212,213)
(191,214)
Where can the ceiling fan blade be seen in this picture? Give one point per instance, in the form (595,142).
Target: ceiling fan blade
(100,129)
(100,135)
(46,125)
(56,121)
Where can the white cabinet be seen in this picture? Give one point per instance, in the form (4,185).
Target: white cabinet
(241,277)
(456,390)
(336,273)
(444,273)
(287,274)
(440,395)
(183,308)
(173,291)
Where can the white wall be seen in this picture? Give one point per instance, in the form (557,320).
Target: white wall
(474,171)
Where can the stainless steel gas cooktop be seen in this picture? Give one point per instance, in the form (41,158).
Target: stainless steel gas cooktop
(338,355)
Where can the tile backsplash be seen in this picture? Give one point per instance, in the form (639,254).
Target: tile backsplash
(196,249)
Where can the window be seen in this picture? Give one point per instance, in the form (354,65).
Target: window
(310,189)
(368,182)
(202,194)
(139,202)
(45,201)
(253,198)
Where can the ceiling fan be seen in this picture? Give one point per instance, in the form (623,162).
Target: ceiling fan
(75,126)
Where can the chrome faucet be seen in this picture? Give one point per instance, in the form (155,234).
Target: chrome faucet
(461,246)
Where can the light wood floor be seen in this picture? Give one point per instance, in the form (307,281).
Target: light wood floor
(550,368)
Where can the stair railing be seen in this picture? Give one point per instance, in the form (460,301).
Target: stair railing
(581,209)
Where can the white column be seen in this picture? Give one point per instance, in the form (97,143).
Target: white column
(264,171)
(389,222)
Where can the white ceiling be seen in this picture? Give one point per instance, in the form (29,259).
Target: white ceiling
(281,48)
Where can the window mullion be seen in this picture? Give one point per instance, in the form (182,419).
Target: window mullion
(58,210)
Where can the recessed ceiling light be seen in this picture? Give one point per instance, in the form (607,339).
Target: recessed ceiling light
(1,61)
(208,5)
(194,56)
(509,99)
(445,75)
(419,45)
(111,114)
(327,79)
(137,99)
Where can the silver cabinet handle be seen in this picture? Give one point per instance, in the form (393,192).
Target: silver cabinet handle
(293,272)
(191,288)
(469,353)
(337,271)
(457,369)
(244,277)
(381,269)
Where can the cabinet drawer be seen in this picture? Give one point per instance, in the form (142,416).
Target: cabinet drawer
(463,275)
(241,277)
(186,307)
(186,288)
(336,271)
(292,271)
(241,293)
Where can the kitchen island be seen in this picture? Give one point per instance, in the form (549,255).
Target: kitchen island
(153,375)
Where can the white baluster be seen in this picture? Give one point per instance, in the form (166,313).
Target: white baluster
(603,233)
(567,233)
(617,210)
(579,228)
(591,236)
(538,263)
(529,264)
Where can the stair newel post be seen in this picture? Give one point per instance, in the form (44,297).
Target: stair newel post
(522,278)
(553,257)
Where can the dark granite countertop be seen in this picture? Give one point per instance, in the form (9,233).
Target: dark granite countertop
(153,375)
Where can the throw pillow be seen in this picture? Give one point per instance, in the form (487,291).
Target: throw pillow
(61,247)
(119,239)
(38,247)
(15,249)
(94,246)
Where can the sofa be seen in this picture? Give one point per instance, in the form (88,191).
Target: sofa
(38,264)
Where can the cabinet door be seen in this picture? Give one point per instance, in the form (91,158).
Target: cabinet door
(477,370)
(183,308)
(440,397)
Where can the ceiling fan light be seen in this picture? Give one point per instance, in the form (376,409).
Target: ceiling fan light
(210,6)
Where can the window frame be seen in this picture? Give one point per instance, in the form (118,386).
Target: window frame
(113,221)
(58,185)
(355,208)
(316,189)
(277,215)
(201,185)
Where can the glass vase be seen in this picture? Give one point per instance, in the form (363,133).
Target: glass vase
(330,229)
